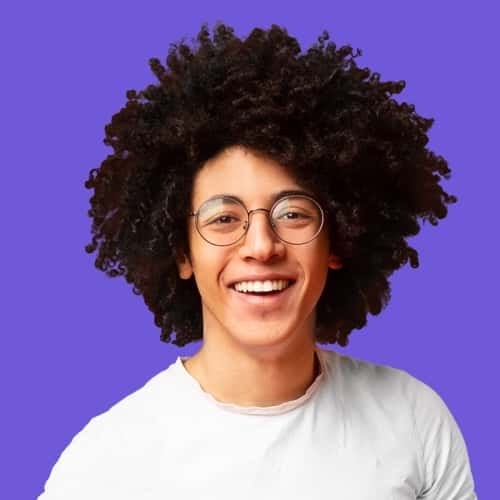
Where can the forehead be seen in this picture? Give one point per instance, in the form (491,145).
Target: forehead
(243,173)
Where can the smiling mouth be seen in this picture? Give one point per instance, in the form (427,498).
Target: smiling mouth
(262,293)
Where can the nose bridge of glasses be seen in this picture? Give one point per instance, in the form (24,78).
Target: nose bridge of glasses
(266,213)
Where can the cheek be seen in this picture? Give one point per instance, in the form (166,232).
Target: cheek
(316,267)
(207,266)
(315,259)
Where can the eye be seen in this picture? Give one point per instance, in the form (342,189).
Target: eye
(292,216)
(223,219)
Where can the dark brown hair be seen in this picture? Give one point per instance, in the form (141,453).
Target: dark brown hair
(333,124)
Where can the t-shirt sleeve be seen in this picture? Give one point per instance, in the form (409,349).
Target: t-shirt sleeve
(445,462)
(79,473)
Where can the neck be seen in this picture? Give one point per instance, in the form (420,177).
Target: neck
(241,379)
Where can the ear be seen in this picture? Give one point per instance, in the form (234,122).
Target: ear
(334,262)
(184,267)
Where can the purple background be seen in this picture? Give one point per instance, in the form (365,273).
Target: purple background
(75,342)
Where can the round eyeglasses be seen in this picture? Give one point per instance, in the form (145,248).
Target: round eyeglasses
(224,220)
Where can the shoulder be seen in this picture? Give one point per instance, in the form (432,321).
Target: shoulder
(359,377)
(104,454)
(398,402)
(362,381)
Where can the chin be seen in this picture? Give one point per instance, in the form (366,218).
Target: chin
(264,334)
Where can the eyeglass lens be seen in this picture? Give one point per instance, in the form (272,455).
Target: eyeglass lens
(295,219)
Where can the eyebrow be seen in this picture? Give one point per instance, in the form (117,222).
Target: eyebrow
(273,197)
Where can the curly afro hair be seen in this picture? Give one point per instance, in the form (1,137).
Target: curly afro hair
(333,125)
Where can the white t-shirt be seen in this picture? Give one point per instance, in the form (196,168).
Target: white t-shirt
(361,431)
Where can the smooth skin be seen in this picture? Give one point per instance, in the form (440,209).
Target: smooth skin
(254,354)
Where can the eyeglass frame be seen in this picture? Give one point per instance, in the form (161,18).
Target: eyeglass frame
(248,221)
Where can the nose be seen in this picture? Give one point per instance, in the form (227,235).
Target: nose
(260,241)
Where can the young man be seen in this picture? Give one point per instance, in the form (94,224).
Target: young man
(259,200)
(259,293)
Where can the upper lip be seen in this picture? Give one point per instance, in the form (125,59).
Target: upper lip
(263,277)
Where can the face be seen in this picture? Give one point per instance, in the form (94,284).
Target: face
(233,319)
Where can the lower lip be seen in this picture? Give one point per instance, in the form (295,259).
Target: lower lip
(263,301)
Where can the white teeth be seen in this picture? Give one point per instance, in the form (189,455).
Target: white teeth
(261,286)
